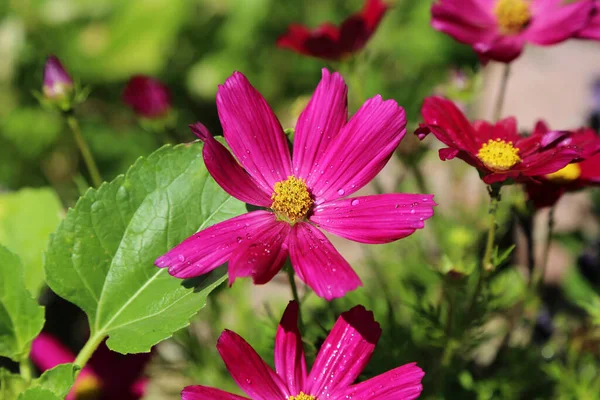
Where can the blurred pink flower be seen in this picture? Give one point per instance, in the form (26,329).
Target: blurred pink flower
(497,150)
(546,190)
(333,158)
(332,43)
(499,29)
(57,85)
(107,376)
(343,356)
(592,29)
(147,96)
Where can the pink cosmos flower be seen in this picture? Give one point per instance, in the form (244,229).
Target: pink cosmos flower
(342,357)
(499,29)
(546,190)
(147,96)
(332,158)
(592,29)
(57,81)
(332,43)
(497,150)
(107,376)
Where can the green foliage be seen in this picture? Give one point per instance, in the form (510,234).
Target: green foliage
(21,318)
(38,393)
(27,218)
(102,255)
(11,385)
(57,380)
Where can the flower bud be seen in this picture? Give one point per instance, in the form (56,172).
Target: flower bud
(58,85)
(148,97)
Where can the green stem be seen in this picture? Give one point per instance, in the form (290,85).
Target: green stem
(544,265)
(25,369)
(88,349)
(502,93)
(84,150)
(419,178)
(292,280)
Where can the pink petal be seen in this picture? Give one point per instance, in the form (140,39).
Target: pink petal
(319,123)
(319,264)
(402,383)
(47,352)
(448,153)
(207,393)
(211,247)
(289,354)
(592,28)
(262,254)
(345,353)
(555,21)
(253,132)
(468,21)
(248,370)
(360,150)
(374,219)
(501,48)
(227,172)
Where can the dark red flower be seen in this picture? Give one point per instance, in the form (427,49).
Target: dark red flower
(497,150)
(147,96)
(547,189)
(332,43)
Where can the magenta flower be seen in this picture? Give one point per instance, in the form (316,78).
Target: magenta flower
(57,85)
(147,96)
(592,29)
(499,29)
(343,356)
(107,376)
(497,150)
(332,158)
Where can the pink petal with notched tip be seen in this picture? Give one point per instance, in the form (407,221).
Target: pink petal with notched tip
(360,150)
(402,383)
(319,264)
(321,120)
(227,172)
(344,354)
(248,370)
(374,219)
(211,247)
(555,21)
(290,363)
(207,393)
(253,132)
(260,255)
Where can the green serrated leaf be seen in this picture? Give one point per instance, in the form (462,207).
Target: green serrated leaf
(27,218)
(38,393)
(102,256)
(58,380)
(11,385)
(21,318)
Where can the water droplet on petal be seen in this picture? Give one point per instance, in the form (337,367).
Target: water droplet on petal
(181,257)
(238,239)
(341,192)
(354,202)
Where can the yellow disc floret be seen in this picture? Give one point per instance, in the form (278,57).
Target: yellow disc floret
(88,387)
(566,174)
(513,15)
(302,396)
(291,199)
(499,155)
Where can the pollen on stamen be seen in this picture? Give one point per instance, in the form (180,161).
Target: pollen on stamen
(513,15)
(302,396)
(499,155)
(291,199)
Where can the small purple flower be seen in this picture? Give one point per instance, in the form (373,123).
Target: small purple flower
(58,84)
(147,96)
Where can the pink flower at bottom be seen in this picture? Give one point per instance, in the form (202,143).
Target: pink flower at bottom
(332,158)
(107,376)
(342,357)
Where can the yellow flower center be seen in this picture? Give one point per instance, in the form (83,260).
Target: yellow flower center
(499,155)
(291,201)
(88,388)
(302,396)
(513,15)
(565,175)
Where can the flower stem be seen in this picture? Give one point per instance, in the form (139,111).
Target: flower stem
(88,349)
(544,265)
(419,178)
(502,92)
(292,280)
(25,370)
(84,150)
